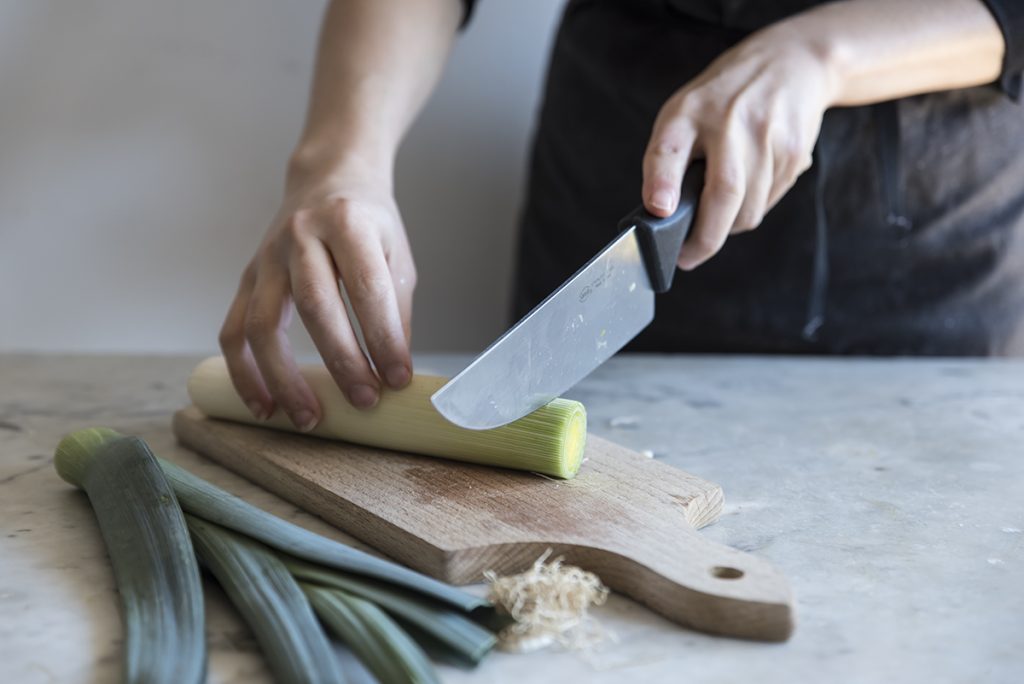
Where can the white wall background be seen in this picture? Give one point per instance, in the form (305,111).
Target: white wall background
(142,147)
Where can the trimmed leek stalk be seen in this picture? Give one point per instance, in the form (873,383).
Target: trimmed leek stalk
(204,500)
(153,560)
(270,600)
(209,502)
(449,628)
(386,650)
(550,440)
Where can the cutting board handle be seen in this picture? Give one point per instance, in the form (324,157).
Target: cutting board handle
(672,570)
(711,587)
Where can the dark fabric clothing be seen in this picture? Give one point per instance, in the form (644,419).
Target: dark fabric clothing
(467,11)
(1010,16)
(905,237)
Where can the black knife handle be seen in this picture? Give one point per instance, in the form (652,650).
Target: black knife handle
(661,238)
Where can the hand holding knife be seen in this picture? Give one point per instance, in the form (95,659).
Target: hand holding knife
(579,326)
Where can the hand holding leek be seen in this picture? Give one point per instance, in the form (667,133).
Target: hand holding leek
(375,67)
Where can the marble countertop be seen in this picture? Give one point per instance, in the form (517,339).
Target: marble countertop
(890,492)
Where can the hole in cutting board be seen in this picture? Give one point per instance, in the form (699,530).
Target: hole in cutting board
(725,572)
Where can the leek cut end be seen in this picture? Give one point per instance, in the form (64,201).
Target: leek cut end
(551,439)
(574,439)
(76,451)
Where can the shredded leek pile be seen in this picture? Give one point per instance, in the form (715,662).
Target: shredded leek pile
(549,603)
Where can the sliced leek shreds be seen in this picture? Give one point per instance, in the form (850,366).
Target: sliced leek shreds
(549,603)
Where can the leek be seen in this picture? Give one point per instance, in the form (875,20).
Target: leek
(453,630)
(550,440)
(270,600)
(154,565)
(209,502)
(387,651)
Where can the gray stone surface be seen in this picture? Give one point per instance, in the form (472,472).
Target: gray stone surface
(890,492)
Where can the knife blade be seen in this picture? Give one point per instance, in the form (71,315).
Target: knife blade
(579,326)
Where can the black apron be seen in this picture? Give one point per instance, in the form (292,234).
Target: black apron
(905,237)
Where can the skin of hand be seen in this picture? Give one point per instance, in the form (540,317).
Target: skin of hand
(325,230)
(754,114)
(338,221)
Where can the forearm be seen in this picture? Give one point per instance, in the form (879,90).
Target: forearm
(880,50)
(376,64)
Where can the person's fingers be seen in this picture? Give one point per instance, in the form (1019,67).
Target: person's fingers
(759,172)
(792,150)
(245,376)
(664,164)
(790,163)
(403,278)
(265,321)
(364,271)
(720,202)
(314,286)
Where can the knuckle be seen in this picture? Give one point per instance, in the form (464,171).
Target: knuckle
(292,227)
(345,368)
(312,298)
(351,217)
(383,339)
(747,220)
(230,338)
(344,207)
(367,283)
(726,182)
(258,329)
(666,148)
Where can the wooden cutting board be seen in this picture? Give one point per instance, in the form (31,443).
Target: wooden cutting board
(626,517)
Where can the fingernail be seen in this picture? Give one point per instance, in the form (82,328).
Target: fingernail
(257,410)
(304,420)
(362,396)
(662,199)
(397,376)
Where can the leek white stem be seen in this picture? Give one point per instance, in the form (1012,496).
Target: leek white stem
(550,440)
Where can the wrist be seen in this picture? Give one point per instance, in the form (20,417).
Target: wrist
(319,160)
(817,41)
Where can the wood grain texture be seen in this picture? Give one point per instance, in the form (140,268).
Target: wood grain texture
(630,519)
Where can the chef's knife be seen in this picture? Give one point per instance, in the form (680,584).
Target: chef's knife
(579,326)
